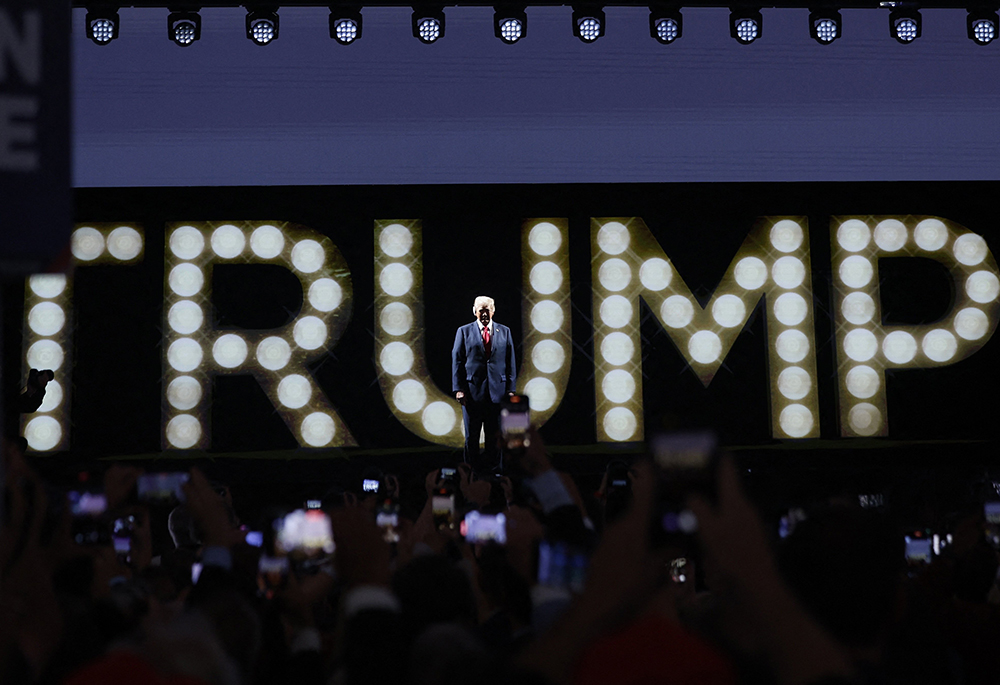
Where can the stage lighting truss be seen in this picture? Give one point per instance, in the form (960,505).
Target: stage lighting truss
(262,24)
(982,25)
(510,20)
(904,24)
(510,24)
(745,25)
(345,24)
(824,26)
(428,23)
(102,24)
(665,24)
(588,22)
(184,27)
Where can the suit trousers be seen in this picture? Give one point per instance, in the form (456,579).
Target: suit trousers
(482,416)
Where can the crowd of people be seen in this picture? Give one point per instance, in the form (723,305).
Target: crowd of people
(394,582)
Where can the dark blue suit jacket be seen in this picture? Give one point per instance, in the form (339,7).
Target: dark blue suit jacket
(482,379)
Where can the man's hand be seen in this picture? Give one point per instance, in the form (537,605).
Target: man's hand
(535,461)
(118,483)
(362,556)
(460,396)
(208,510)
(475,491)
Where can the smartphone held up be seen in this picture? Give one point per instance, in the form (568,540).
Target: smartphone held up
(686,465)
(515,419)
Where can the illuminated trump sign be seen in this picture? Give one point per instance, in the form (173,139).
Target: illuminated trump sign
(773,266)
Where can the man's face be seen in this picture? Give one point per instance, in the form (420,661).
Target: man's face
(484,313)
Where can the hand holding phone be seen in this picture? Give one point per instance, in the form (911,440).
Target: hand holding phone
(89,526)
(272,575)
(305,533)
(687,464)
(387,518)
(515,419)
(484,528)
(443,509)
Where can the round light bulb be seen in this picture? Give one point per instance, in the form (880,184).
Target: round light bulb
(274,353)
(891,235)
(546,316)
(899,347)
(187,242)
(862,382)
(548,356)
(396,318)
(308,257)
(619,424)
(541,393)
(676,311)
(860,344)
(750,273)
(545,277)
(613,238)
(614,274)
(395,240)
(939,345)
(792,346)
(618,386)
(124,243)
(655,274)
(616,311)
(396,279)
(930,235)
(854,235)
(438,418)
(796,421)
(267,242)
(396,358)
(864,419)
(617,348)
(544,239)
(705,347)
(858,308)
(228,241)
(409,396)
(318,429)
(325,294)
(786,236)
(856,271)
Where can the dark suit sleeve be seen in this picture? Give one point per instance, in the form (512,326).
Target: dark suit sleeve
(511,364)
(459,379)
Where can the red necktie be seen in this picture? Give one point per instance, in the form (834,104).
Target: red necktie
(486,339)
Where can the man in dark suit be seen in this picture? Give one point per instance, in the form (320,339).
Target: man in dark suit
(483,372)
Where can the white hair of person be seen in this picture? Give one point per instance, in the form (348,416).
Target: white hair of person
(483,299)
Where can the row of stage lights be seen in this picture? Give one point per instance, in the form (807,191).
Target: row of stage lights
(510,24)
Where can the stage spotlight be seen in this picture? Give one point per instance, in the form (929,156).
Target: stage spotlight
(184,28)
(904,24)
(665,24)
(982,25)
(745,25)
(428,24)
(345,24)
(102,25)
(510,24)
(262,25)
(588,22)
(824,26)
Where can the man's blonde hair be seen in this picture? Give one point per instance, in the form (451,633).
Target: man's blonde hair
(483,299)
